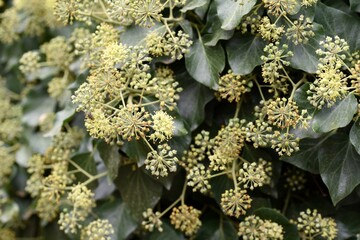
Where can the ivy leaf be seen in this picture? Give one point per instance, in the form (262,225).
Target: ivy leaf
(307,157)
(118,214)
(109,154)
(215,227)
(305,57)
(355,5)
(244,52)
(138,190)
(219,185)
(87,163)
(61,117)
(230,12)
(168,233)
(136,150)
(355,136)
(339,166)
(291,232)
(192,100)
(336,22)
(213,28)
(337,116)
(193,4)
(205,63)
(136,35)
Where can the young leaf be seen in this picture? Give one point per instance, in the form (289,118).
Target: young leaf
(337,116)
(230,12)
(339,165)
(205,63)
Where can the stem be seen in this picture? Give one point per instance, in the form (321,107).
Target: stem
(218,174)
(287,200)
(93,178)
(234,174)
(80,169)
(258,85)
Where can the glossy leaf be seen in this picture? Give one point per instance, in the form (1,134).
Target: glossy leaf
(339,164)
(193,4)
(216,227)
(205,63)
(355,136)
(61,117)
(87,163)
(336,22)
(138,190)
(231,12)
(355,5)
(109,154)
(192,101)
(290,230)
(335,117)
(244,52)
(307,157)
(119,215)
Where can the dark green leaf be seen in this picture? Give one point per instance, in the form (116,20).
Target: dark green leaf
(337,116)
(307,157)
(216,227)
(118,214)
(136,150)
(355,5)
(168,233)
(193,4)
(339,165)
(137,189)
(135,35)
(87,163)
(192,101)
(305,57)
(110,156)
(205,63)
(230,12)
(336,22)
(244,52)
(219,185)
(291,232)
(355,136)
(213,30)
(348,221)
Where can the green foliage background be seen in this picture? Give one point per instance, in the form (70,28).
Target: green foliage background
(329,154)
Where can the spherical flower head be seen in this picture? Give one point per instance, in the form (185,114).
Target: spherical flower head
(279,7)
(295,179)
(155,43)
(308,3)
(7,234)
(81,197)
(100,229)
(258,132)
(233,86)
(29,62)
(309,223)
(254,227)
(58,52)
(270,31)
(57,87)
(252,175)
(328,228)
(163,125)
(285,143)
(152,220)
(186,219)
(132,122)
(10,21)
(7,160)
(300,31)
(198,178)
(283,113)
(235,202)
(162,161)
(145,12)
(177,44)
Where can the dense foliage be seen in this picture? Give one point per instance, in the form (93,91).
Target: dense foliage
(179,119)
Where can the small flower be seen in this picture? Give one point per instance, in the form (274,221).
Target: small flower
(284,143)
(152,220)
(100,229)
(252,175)
(29,62)
(186,219)
(300,31)
(146,11)
(198,178)
(163,125)
(161,161)
(233,86)
(270,31)
(254,227)
(235,202)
